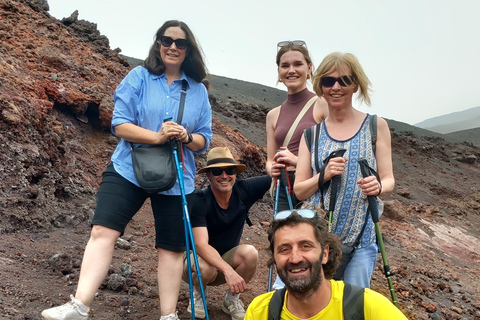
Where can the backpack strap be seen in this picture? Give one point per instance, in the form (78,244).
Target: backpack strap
(276,304)
(373,132)
(353,302)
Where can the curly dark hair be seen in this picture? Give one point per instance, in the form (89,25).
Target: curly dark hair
(193,65)
(321,234)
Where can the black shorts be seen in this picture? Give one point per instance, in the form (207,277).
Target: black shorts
(118,200)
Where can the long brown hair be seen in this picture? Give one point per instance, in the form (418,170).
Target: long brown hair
(193,65)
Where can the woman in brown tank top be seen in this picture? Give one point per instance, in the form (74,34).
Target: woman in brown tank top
(295,67)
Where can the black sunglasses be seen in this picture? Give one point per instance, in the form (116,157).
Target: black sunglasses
(167,42)
(295,42)
(344,81)
(218,171)
(306,213)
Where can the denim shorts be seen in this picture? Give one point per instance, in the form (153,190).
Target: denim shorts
(118,200)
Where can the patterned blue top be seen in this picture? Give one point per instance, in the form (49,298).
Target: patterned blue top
(351,205)
(145,99)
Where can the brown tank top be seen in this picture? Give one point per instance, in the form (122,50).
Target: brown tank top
(289,111)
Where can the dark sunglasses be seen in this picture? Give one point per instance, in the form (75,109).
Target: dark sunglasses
(306,213)
(295,42)
(344,81)
(218,171)
(167,42)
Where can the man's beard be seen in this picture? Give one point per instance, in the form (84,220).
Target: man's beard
(305,285)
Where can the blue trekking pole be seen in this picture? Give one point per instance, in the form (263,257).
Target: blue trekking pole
(373,208)
(275,210)
(282,179)
(188,234)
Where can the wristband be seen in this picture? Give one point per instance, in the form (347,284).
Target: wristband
(190,138)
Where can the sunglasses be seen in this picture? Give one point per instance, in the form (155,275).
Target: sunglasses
(295,42)
(218,171)
(344,81)
(167,42)
(306,213)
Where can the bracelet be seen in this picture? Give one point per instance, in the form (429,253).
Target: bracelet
(190,138)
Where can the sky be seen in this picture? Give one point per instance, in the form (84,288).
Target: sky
(421,56)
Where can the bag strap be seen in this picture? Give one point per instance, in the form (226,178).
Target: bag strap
(353,303)
(290,132)
(183,93)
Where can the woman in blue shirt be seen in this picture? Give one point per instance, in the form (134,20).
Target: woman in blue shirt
(148,95)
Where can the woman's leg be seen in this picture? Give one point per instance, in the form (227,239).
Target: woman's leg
(170,269)
(96,262)
(359,270)
(118,200)
(170,244)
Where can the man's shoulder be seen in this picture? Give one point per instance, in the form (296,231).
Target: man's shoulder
(258,308)
(259,182)
(377,306)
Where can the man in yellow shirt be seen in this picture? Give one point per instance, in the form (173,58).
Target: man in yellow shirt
(306,255)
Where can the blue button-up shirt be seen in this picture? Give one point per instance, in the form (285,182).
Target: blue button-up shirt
(145,100)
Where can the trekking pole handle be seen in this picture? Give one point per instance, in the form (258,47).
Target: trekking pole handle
(363,163)
(337,153)
(283,177)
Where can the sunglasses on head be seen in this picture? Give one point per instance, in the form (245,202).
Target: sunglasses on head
(344,81)
(295,42)
(167,42)
(218,171)
(306,213)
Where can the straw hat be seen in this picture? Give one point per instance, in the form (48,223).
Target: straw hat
(221,157)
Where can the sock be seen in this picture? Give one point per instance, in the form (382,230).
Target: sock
(168,315)
(81,307)
(230,297)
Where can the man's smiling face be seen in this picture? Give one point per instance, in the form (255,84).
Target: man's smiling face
(299,258)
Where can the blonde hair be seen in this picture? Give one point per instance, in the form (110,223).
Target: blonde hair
(341,62)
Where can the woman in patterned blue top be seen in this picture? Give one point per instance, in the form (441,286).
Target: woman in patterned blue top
(337,79)
(144,101)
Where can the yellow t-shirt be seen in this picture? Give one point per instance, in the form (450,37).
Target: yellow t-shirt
(376,306)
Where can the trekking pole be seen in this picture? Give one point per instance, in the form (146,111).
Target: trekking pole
(373,207)
(188,234)
(285,180)
(335,182)
(275,210)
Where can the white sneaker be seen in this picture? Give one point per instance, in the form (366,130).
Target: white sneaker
(73,310)
(234,308)
(198,303)
(172,316)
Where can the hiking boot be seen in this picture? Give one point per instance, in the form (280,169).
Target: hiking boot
(234,308)
(73,310)
(173,316)
(198,305)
